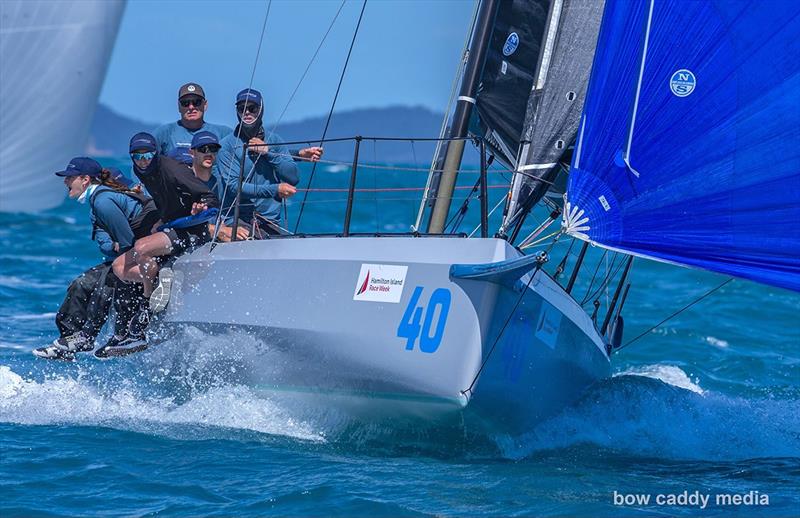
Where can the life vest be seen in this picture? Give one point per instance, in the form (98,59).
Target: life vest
(141,224)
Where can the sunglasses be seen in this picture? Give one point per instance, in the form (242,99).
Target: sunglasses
(197,102)
(208,148)
(248,107)
(143,156)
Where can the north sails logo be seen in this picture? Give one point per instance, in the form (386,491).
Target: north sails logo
(363,287)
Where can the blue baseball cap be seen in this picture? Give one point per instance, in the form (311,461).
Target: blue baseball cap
(181,154)
(144,141)
(117,175)
(249,95)
(81,165)
(204,138)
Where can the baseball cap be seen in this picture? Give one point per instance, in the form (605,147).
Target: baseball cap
(203,138)
(117,175)
(144,141)
(249,95)
(181,154)
(191,89)
(81,165)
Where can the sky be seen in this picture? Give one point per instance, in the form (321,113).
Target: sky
(406,52)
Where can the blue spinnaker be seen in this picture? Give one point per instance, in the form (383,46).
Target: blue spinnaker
(192,221)
(689,146)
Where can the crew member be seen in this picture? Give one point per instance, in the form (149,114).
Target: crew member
(177,193)
(270,173)
(119,216)
(192,105)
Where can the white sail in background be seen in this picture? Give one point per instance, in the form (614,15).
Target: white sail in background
(53,59)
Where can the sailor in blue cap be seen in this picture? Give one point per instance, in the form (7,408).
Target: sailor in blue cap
(192,106)
(271,173)
(119,216)
(178,194)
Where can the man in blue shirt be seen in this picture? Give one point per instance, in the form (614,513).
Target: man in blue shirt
(192,106)
(270,173)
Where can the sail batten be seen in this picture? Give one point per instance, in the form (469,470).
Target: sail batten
(689,151)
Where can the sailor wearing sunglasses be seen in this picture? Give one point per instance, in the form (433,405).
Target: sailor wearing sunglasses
(178,193)
(192,106)
(270,172)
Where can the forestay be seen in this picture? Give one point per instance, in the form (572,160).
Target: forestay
(689,148)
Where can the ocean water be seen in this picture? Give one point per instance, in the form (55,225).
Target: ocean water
(707,405)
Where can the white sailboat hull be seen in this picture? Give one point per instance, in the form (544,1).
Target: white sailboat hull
(430,345)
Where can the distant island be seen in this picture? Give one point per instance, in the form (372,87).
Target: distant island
(110,132)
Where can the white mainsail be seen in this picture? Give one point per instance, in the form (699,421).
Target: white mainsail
(53,59)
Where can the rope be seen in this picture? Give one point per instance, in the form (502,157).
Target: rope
(308,67)
(393,189)
(220,216)
(502,200)
(508,319)
(684,308)
(330,112)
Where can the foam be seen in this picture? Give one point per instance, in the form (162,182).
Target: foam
(657,411)
(669,374)
(76,400)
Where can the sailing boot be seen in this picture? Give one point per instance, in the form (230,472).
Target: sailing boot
(65,347)
(140,320)
(160,296)
(121,346)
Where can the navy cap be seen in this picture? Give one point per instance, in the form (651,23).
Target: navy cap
(144,141)
(203,138)
(117,175)
(81,165)
(249,95)
(181,154)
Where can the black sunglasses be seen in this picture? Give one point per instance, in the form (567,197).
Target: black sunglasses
(208,148)
(196,101)
(248,107)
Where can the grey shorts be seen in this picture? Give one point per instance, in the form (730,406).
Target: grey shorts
(185,240)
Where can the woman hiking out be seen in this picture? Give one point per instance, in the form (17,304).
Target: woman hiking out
(119,216)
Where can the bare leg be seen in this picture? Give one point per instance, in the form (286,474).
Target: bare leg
(144,253)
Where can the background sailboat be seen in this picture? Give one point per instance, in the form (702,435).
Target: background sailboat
(53,59)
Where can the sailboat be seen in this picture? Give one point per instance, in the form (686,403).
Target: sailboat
(664,164)
(53,59)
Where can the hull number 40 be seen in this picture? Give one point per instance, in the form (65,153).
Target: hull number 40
(430,328)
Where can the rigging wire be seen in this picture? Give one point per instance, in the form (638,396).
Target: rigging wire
(308,67)
(510,315)
(594,276)
(606,279)
(330,112)
(217,225)
(681,310)
(443,130)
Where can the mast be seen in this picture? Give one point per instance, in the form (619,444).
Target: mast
(466,99)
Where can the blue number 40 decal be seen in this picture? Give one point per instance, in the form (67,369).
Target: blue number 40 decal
(413,325)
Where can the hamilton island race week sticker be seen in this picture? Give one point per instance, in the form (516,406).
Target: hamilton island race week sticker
(380,283)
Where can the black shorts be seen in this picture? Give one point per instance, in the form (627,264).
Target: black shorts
(185,240)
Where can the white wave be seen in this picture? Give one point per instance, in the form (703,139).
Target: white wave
(11,281)
(669,374)
(68,400)
(33,316)
(716,342)
(337,168)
